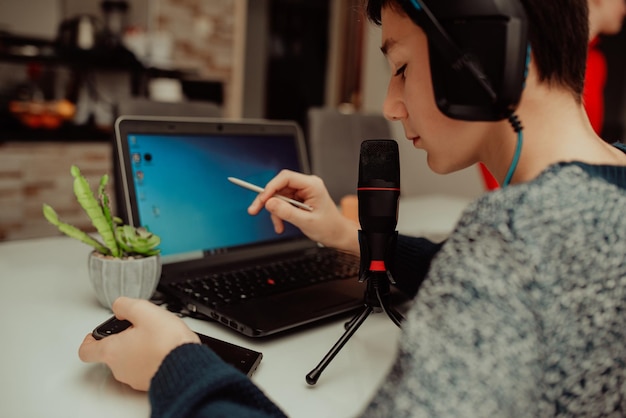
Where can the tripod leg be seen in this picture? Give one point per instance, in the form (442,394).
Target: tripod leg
(395,316)
(355,323)
(392,313)
(352,320)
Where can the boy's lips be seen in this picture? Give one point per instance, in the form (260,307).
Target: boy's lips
(414,139)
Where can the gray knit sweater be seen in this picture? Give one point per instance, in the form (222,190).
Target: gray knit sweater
(523,310)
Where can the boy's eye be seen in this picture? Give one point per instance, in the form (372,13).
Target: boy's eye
(400,71)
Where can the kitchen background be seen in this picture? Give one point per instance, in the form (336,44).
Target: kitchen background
(68,67)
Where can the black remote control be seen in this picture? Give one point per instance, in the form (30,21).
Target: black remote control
(109,327)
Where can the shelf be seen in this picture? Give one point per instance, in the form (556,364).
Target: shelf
(33,50)
(66,133)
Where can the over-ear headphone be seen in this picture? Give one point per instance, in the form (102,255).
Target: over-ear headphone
(478,55)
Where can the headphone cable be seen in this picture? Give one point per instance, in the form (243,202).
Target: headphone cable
(517,127)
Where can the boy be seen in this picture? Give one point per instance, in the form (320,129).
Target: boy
(519,312)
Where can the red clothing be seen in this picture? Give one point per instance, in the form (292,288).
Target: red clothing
(490,181)
(595,80)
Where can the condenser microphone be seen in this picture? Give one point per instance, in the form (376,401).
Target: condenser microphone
(378,193)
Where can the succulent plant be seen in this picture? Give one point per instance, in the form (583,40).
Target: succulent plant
(118,240)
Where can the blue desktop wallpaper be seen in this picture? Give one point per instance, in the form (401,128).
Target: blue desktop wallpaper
(183,194)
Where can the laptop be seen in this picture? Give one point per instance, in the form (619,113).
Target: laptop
(173,173)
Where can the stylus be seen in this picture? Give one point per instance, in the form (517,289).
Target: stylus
(258,189)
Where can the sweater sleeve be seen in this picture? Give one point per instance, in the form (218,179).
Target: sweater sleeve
(412,262)
(194,382)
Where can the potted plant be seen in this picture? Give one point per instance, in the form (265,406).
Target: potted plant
(126,261)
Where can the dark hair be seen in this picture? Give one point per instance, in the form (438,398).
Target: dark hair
(558,32)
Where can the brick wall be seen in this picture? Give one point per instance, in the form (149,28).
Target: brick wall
(32,174)
(202,34)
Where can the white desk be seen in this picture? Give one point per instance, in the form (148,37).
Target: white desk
(47,306)
(432,216)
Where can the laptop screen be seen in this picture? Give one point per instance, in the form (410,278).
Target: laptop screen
(181,192)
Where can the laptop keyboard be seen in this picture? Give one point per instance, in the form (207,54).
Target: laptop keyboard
(239,285)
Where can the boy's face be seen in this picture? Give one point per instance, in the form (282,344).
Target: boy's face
(451,144)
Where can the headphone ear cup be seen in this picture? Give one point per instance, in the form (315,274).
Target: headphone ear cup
(498,49)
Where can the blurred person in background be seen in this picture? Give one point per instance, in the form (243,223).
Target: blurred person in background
(605,18)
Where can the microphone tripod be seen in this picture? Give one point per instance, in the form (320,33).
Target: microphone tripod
(376,299)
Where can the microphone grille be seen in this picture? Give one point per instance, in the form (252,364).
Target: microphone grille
(379,161)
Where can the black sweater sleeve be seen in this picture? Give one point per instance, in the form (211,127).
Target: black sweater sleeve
(412,262)
(193,382)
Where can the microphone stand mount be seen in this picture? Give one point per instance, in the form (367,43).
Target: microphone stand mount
(376,299)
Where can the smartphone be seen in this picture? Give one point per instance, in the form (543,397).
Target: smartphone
(244,359)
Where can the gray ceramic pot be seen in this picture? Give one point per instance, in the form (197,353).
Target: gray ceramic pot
(132,277)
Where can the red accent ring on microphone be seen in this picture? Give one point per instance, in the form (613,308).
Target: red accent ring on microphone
(393,189)
(377,265)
